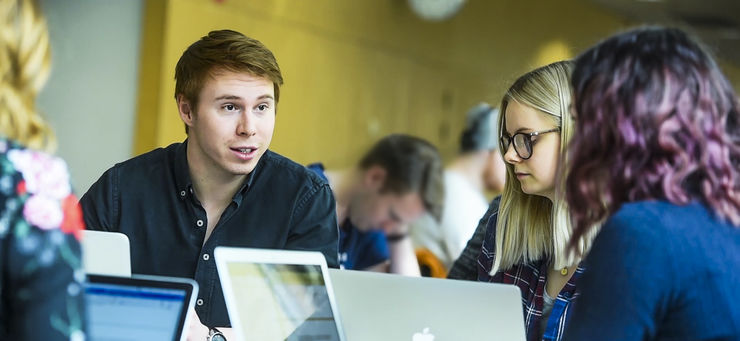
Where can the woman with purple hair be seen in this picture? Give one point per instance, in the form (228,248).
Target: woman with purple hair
(657,161)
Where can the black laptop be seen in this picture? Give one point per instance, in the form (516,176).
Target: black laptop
(139,307)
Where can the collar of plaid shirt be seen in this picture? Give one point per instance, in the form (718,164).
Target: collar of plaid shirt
(531,279)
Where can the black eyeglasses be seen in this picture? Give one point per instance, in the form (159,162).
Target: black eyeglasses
(523,142)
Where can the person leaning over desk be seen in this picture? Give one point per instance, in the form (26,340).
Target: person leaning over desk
(396,181)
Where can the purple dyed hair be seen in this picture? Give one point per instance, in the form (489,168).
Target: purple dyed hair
(655,119)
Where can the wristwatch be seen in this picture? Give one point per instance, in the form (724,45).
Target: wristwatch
(392,238)
(215,335)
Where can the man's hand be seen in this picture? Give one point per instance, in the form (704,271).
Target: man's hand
(196,331)
(397,231)
(403,258)
(199,332)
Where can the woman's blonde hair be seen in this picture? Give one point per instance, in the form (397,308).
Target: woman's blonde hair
(25,60)
(531,227)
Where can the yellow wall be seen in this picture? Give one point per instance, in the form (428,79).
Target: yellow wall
(357,70)
(732,71)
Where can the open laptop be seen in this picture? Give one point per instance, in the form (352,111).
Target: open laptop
(106,253)
(139,308)
(378,306)
(278,295)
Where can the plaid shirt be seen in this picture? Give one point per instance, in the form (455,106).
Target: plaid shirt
(531,279)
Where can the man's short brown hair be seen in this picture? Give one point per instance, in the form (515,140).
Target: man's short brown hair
(223,50)
(412,165)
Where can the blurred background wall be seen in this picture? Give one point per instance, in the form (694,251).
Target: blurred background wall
(354,70)
(357,70)
(91,95)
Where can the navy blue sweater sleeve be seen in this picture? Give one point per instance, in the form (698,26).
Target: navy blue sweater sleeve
(659,271)
(624,287)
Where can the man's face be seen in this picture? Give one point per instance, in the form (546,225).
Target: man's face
(233,124)
(373,209)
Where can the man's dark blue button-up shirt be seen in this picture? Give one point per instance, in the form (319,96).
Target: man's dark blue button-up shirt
(281,205)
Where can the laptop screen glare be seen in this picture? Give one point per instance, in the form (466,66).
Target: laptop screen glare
(282,301)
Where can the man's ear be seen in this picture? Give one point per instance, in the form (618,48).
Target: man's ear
(374,177)
(185,110)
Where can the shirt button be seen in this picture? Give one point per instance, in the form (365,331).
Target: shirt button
(199,223)
(206,256)
(182,193)
(199,301)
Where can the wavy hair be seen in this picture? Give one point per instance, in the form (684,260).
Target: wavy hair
(656,120)
(25,62)
(531,227)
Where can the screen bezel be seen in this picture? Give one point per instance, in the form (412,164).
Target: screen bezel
(159,282)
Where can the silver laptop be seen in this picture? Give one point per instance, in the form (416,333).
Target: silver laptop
(278,295)
(139,307)
(106,253)
(377,306)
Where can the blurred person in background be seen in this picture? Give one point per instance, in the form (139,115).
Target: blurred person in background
(526,238)
(395,182)
(657,157)
(40,277)
(476,171)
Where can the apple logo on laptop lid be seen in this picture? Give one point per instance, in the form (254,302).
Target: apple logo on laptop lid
(423,336)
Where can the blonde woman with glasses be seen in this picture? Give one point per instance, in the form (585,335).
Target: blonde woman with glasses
(527,234)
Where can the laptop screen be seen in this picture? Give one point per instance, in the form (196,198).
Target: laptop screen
(134,309)
(281,301)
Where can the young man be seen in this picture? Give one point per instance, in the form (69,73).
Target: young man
(221,186)
(398,180)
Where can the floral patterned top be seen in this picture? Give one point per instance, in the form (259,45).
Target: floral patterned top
(40,264)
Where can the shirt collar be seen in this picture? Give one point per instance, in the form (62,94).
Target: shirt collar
(242,192)
(184,182)
(184,185)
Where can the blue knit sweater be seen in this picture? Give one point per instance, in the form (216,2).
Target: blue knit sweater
(659,271)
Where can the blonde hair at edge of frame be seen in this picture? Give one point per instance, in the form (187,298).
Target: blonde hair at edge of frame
(24,67)
(531,227)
